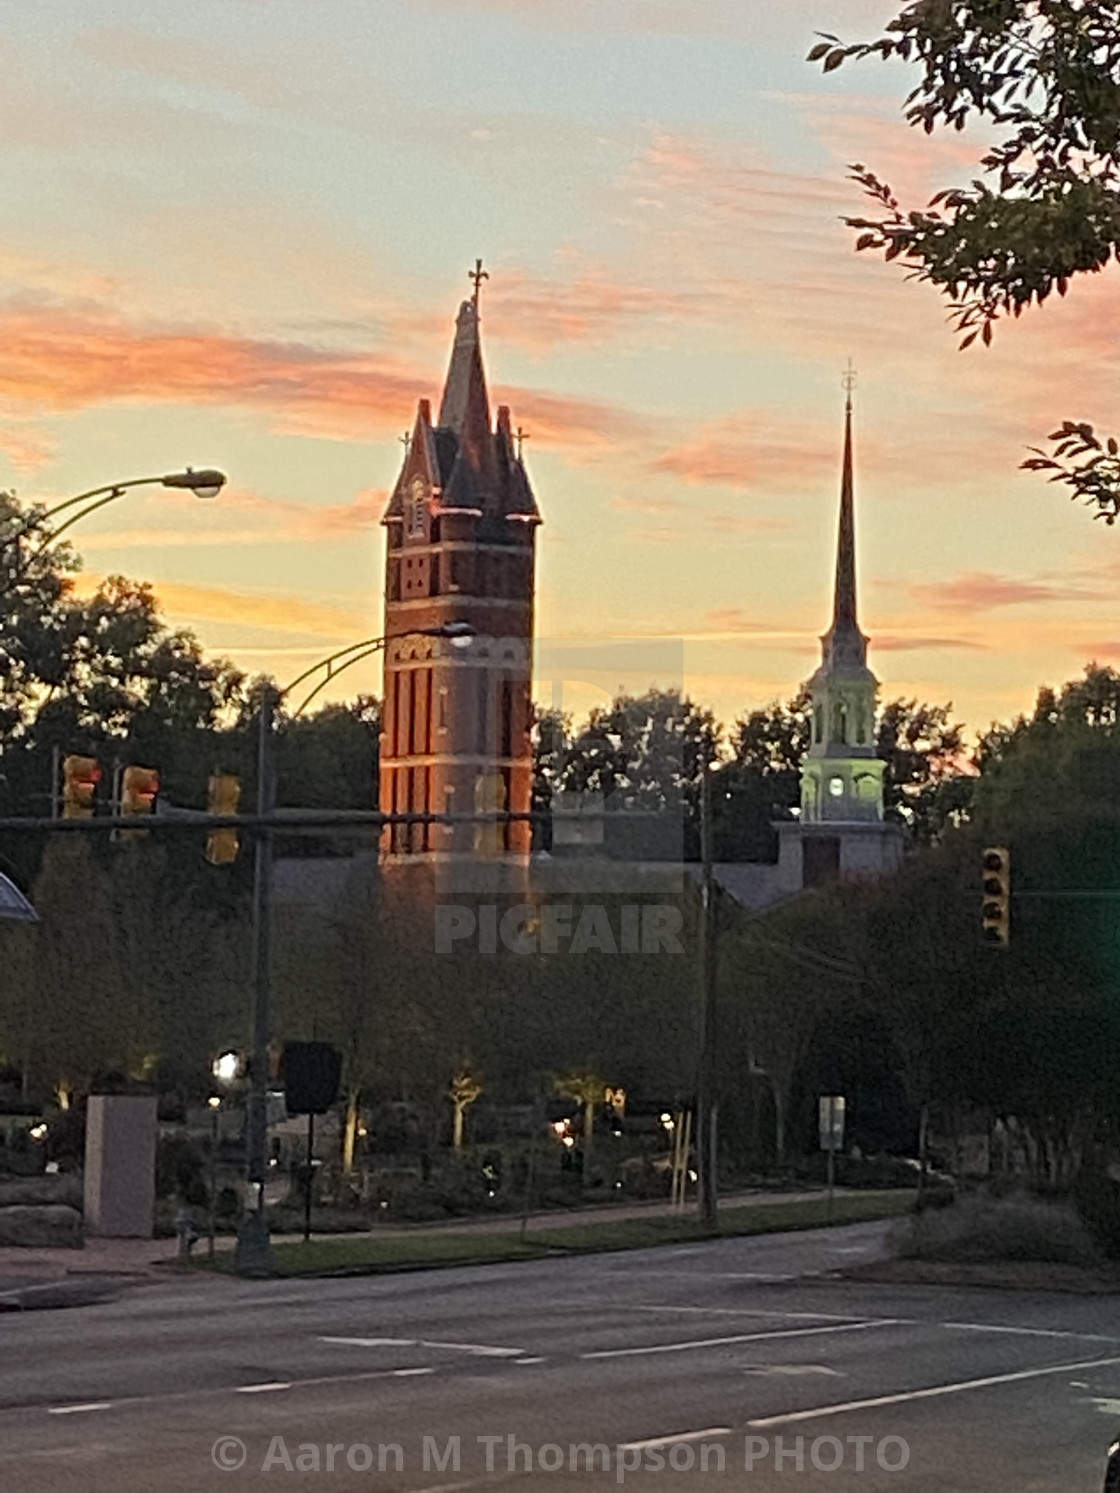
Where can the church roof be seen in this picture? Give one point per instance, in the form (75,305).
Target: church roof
(469,461)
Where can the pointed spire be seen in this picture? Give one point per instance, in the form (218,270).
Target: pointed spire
(844,603)
(465,401)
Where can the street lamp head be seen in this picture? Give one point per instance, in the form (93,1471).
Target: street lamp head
(207,483)
(459,634)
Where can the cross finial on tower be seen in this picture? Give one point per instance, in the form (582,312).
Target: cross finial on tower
(848,380)
(477,275)
(521,437)
(406,441)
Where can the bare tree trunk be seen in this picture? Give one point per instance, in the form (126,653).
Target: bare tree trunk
(350,1133)
(588,1127)
(780,1109)
(923,1138)
(457,1128)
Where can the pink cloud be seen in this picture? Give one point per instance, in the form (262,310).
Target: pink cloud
(906,643)
(978,591)
(757,452)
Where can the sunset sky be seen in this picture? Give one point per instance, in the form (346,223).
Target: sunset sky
(236,234)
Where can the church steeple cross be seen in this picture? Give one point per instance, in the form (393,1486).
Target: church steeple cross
(476,276)
(520,437)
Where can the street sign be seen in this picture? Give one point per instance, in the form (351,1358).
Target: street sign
(13,904)
(832,1122)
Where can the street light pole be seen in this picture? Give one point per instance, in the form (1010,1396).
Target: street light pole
(253,1255)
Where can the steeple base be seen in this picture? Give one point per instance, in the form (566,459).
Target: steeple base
(826,852)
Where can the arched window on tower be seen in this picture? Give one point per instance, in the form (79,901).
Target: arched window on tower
(840,722)
(818,724)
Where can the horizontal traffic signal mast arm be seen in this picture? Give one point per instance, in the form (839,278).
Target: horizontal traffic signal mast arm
(293,819)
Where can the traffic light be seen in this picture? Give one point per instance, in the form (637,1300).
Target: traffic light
(996,908)
(80,777)
(139,786)
(223,797)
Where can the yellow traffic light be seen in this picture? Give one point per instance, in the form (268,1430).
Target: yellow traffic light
(224,795)
(996,908)
(80,777)
(139,786)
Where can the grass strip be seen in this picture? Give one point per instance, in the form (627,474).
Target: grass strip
(366,1254)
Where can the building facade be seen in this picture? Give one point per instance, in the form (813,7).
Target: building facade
(459,585)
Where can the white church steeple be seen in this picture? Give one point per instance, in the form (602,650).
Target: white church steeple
(842,778)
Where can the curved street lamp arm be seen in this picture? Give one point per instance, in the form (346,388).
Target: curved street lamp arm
(332,666)
(53,534)
(112,490)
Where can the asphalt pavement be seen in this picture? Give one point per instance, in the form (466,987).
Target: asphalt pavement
(736,1364)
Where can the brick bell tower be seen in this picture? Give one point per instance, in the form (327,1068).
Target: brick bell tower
(461,527)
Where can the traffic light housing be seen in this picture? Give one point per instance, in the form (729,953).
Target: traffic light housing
(80,777)
(223,797)
(139,786)
(996,906)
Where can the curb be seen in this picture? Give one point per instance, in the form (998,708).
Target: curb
(55,1295)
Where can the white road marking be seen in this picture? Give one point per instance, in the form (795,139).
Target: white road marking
(480,1350)
(1088,1337)
(792,1370)
(640,1446)
(741,1337)
(79,1409)
(933,1392)
(528,1360)
(752,1311)
(263,1389)
(763,1275)
(410,1373)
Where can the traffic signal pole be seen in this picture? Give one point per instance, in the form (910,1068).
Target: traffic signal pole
(705,1087)
(253,1255)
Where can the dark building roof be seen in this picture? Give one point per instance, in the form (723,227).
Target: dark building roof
(470,463)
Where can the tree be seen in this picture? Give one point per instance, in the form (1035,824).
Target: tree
(465,1089)
(589,1091)
(779,978)
(1046,75)
(646,753)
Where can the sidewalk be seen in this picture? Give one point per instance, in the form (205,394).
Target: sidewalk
(148,1259)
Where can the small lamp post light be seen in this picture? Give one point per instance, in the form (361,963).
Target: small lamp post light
(227,1068)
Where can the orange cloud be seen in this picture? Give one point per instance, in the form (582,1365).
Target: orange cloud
(26,448)
(60,358)
(278,613)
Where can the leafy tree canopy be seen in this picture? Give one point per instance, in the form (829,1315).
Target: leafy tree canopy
(1045,76)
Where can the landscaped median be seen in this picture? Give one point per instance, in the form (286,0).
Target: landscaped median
(363,1254)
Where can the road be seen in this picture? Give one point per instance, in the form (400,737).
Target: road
(722,1366)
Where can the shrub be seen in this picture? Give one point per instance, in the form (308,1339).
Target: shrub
(1097,1199)
(981,1229)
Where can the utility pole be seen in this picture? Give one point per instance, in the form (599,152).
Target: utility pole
(253,1254)
(705,1087)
